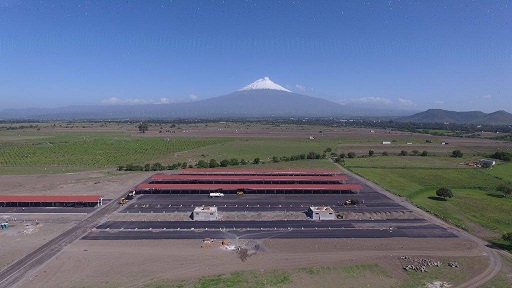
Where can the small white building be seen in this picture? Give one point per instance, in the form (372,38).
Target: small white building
(321,213)
(205,213)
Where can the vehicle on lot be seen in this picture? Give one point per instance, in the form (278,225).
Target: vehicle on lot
(216,194)
(240,192)
(123,201)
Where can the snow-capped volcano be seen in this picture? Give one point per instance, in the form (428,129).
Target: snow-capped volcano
(264,83)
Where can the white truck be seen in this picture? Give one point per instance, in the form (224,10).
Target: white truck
(216,194)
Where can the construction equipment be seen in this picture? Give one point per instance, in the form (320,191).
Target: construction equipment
(240,192)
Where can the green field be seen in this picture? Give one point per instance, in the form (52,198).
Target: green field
(94,150)
(264,148)
(475,197)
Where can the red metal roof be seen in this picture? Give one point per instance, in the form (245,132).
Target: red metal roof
(247,177)
(259,171)
(211,187)
(49,198)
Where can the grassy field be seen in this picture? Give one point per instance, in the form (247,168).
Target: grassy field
(94,150)
(264,148)
(417,178)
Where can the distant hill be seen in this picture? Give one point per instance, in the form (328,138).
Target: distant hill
(472,117)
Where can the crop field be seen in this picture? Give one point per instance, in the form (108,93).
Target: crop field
(405,162)
(94,150)
(475,200)
(264,148)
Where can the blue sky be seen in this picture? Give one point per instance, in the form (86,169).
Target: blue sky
(453,55)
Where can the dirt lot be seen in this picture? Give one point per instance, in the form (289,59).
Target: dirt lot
(108,183)
(133,263)
(27,232)
(30,231)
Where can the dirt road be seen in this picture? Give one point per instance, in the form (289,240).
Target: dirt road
(495,260)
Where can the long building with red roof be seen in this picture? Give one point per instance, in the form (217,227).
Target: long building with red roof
(254,181)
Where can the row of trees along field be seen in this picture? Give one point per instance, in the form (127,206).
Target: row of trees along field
(213,163)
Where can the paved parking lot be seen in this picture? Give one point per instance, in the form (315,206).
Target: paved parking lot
(373,202)
(259,230)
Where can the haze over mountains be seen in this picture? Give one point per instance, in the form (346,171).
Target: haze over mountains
(471,117)
(260,99)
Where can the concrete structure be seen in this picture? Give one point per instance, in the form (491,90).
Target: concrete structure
(321,213)
(204,213)
(487,162)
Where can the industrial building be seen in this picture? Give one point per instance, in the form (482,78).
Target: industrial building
(229,181)
(204,213)
(321,213)
(50,200)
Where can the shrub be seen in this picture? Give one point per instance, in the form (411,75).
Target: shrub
(444,192)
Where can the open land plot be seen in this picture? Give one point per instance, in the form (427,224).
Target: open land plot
(28,231)
(475,202)
(168,261)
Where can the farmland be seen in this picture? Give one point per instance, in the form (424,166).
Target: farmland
(475,204)
(94,150)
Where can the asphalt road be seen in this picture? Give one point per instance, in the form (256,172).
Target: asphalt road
(409,232)
(413,228)
(373,202)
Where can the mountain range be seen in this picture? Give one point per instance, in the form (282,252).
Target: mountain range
(260,99)
(471,117)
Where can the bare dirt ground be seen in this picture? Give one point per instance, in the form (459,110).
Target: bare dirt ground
(134,263)
(29,231)
(107,183)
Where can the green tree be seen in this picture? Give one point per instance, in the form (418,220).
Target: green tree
(457,154)
(213,163)
(234,162)
(275,159)
(351,155)
(224,163)
(256,161)
(507,237)
(184,165)
(243,162)
(202,164)
(424,153)
(404,153)
(444,192)
(370,153)
(415,152)
(143,127)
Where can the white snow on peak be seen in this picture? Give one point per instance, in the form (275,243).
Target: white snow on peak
(264,83)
